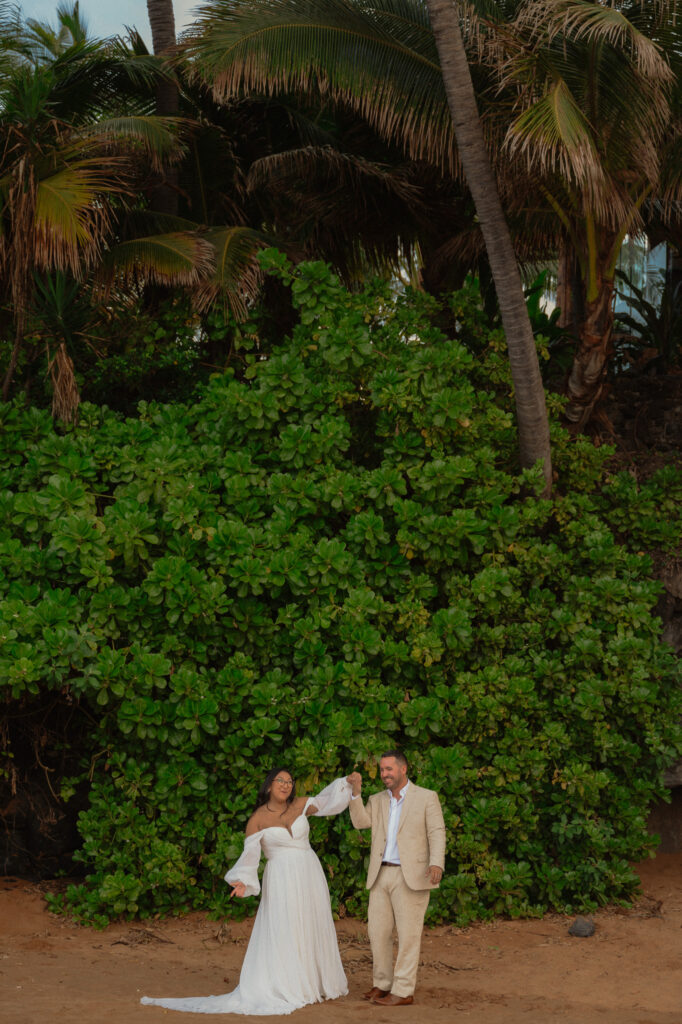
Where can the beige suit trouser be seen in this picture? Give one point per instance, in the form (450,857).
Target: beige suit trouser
(393,904)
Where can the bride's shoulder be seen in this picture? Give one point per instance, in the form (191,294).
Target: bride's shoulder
(255,823)
(300,805)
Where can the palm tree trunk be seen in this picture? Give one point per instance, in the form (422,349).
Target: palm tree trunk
(162,23)
(531,411)
(588,373)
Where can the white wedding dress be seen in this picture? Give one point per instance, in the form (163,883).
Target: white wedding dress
(292,958)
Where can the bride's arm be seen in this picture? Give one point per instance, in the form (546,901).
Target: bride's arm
(331,800)
(243,876)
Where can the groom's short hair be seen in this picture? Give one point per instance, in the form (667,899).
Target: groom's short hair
(397,754)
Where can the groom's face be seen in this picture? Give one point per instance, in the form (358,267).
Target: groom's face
(393,773)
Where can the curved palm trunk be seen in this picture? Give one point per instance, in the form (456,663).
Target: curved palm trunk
(162,24)
(531,410)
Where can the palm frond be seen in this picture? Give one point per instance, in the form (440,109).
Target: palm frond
(344,171)
(599,24)
(177,258)
(586,110)
(555,133)
(377,56)
(237,273)
(157,137)
(70,18)
(307,126)
(70,216)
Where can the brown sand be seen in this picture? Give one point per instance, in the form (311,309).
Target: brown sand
(507,972)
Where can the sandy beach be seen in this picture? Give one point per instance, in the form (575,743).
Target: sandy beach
(505,972)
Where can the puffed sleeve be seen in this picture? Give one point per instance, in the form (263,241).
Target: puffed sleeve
(246,868)
(331,800)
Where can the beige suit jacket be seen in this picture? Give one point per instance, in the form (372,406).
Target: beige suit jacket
(421,833)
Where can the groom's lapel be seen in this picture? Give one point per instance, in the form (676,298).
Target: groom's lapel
(385,806)
(409,796)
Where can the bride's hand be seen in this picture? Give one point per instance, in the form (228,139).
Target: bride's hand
(238,889)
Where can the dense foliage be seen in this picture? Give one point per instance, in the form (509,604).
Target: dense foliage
(327,557)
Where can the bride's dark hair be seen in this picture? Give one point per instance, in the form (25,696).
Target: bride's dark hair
(264,791)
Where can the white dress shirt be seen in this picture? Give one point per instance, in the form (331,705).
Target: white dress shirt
(391,855)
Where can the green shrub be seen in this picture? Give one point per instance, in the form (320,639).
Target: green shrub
(330,557)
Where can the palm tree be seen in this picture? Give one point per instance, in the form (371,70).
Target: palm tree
(45,41)
(596,89)
(380,58)
(529,391)
(162,23)
(66,171)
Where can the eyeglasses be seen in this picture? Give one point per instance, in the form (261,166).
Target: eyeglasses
(284,782)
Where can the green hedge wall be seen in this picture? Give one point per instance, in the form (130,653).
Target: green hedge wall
(330,556)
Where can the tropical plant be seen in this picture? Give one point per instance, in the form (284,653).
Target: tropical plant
(596,107)
(75,163)
(65,172)
(162,24)
(654,323)
(380,57)
(580,103)
(45,42)
(332,555)
(471,147)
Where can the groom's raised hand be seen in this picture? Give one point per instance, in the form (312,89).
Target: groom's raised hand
(355,779)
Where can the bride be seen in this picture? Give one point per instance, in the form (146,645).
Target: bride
(292,958)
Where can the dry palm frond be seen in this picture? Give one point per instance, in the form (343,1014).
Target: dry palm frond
(72,215)
(65,394)
(380,59)
(481,21)
(342,170)
(180,258)
(554,134)
(16,248)
(158,137)
(237,274)
(584,109)
(596,23)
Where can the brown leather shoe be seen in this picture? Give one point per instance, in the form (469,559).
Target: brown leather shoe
(374,992)
(391,1000)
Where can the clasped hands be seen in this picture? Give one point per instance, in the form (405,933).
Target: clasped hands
(433,873)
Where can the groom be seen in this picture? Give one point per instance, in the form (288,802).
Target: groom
(405,862)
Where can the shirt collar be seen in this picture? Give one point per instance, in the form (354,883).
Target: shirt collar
(401,794)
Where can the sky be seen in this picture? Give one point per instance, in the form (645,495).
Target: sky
(110,17)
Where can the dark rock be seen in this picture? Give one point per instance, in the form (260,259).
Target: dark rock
(583,927)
